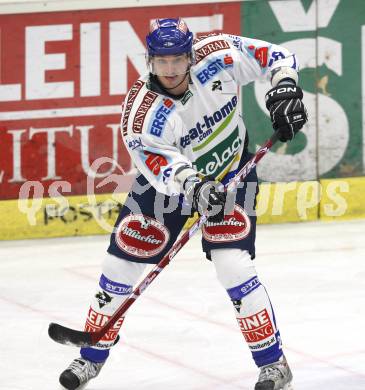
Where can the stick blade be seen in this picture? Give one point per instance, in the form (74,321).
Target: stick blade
(68,336)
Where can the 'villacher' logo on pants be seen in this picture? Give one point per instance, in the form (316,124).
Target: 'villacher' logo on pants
(141,236)
(232,228)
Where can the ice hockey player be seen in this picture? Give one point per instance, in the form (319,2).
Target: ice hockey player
(182,126)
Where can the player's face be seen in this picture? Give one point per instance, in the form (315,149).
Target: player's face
(171,70)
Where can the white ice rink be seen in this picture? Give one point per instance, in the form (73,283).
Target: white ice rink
(182,334)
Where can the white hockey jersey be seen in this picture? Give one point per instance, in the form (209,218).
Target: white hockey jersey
(203,129)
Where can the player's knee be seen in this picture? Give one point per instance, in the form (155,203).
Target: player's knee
(233,266)
(122,271)
(116,283)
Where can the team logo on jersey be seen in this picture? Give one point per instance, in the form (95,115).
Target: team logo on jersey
(159,118)
(214,67)
(217,85)
(233,228)
(209,48)
(141,236)
(204,128)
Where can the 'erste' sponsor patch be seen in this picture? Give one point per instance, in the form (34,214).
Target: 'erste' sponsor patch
(159,117)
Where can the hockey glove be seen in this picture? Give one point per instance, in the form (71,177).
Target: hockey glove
(205,197)
(287,111)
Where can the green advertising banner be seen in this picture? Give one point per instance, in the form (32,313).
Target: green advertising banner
(328,36)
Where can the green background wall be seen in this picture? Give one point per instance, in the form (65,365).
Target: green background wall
(326,35)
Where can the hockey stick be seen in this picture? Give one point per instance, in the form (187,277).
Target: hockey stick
(78,338)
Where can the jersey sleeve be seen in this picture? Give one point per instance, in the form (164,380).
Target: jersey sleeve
(257,59)
(157,157)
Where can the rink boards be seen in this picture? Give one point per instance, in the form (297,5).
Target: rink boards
(64,75)
(331,199)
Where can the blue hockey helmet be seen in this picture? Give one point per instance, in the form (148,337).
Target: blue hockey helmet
(169,37)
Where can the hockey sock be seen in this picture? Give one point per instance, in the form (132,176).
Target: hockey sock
(115,285)
(253,309)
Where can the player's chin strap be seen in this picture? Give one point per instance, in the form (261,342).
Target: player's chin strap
(64,335)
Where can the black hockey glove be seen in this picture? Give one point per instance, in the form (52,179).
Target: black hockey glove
(287,111)
(205,198)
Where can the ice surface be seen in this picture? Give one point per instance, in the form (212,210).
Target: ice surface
(181,333)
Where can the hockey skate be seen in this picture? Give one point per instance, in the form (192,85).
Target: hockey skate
(275,376)
(79,372)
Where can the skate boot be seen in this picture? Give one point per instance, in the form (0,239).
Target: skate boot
(275,376)
(79,372)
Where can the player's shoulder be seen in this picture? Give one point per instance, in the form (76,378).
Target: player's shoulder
(146,110)
(208,45)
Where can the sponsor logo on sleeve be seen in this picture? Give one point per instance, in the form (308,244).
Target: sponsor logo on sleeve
(275,56)
(260,54)
(142,110)
(141,236)
(209,48)
(236,41)
(214,67)
(233,228)
(155,162)
(159,118)
(133,92)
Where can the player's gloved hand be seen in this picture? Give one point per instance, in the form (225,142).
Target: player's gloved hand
(287,111)
(206,198)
